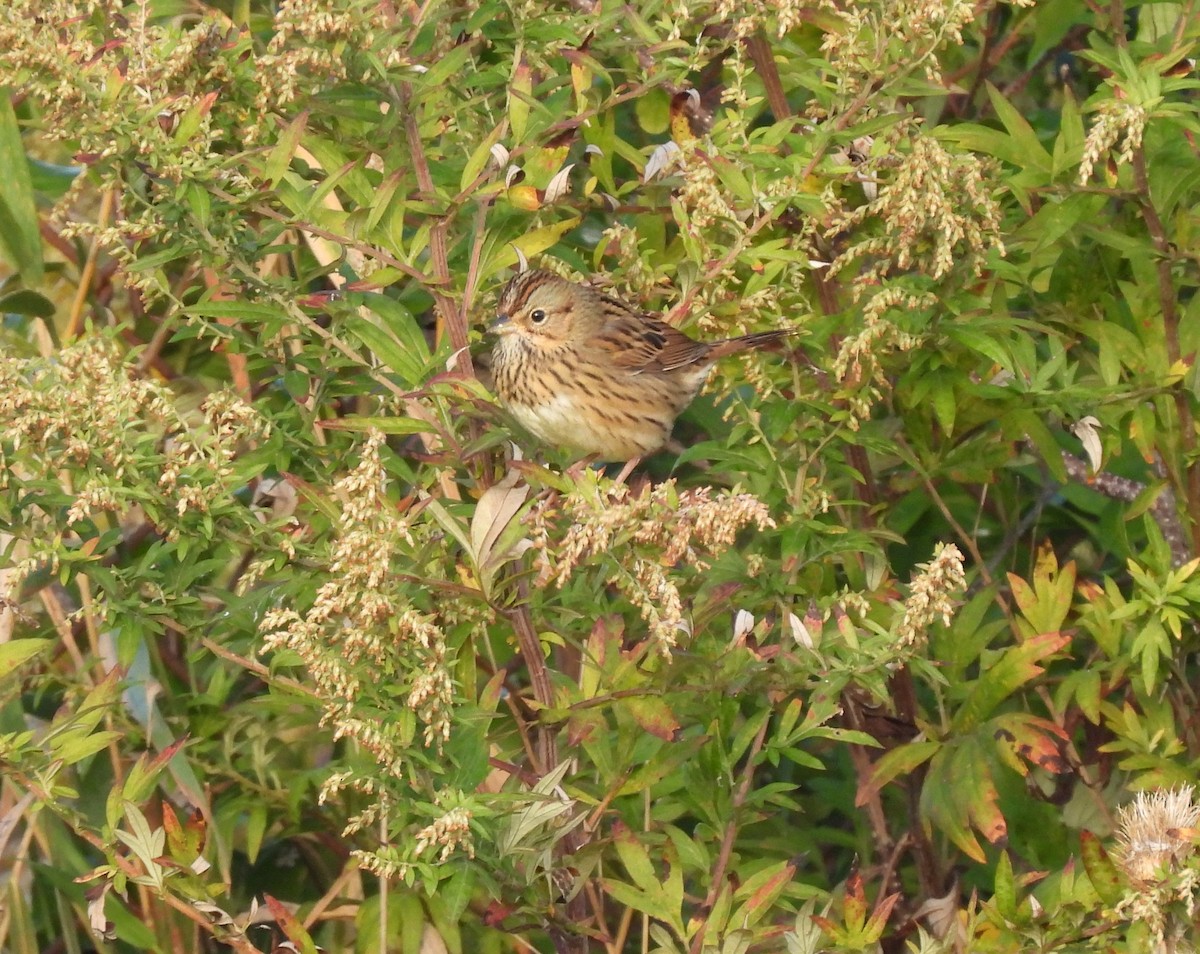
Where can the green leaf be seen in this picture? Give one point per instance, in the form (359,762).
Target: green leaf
(519,100)
(1026,140)
(635,858)
(74,747)
(531,244)
(1005,891)
(901,760)
(16,652)
(26,302)
(20,236)
(241,310)
(1102,873)
(385,425)
(1068,144)
(143,776)
(394,355)
(281,153)
(402,324)
(960,793)
(653,111)
(455,892)
(945,406)
(256,828)
(479,158)
(761,891)
(340,170)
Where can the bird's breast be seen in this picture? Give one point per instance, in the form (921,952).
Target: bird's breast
(591,425)
(571,400)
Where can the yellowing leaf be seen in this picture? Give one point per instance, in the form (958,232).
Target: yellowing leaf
(518,101)
(524,197)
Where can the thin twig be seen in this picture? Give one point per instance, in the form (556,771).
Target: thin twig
(258,669)
(539,677)
(764,64)
(1164,259)
(717,882)
(451,317)
(75,320)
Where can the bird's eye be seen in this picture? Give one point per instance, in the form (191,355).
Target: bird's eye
(537,316)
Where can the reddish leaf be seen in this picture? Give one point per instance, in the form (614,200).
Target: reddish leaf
(583,723)
(184,841)
(291,927)
(768,891)
(879,918)
(854,908)
(653,715)
(1027,739)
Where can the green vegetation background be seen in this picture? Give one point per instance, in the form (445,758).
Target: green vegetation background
(295,651)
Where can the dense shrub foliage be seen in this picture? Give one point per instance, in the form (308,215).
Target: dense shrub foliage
(895,650)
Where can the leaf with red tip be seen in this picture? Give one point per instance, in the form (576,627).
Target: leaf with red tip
(291,926)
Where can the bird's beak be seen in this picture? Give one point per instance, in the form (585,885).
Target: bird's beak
(502,325)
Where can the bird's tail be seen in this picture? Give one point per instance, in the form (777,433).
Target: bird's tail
(760,339)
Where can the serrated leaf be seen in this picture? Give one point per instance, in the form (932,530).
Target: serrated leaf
(1016,667)
(958,792)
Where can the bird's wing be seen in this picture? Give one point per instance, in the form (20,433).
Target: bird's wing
(643,343)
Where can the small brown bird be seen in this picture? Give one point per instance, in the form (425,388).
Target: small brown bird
(582,370)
